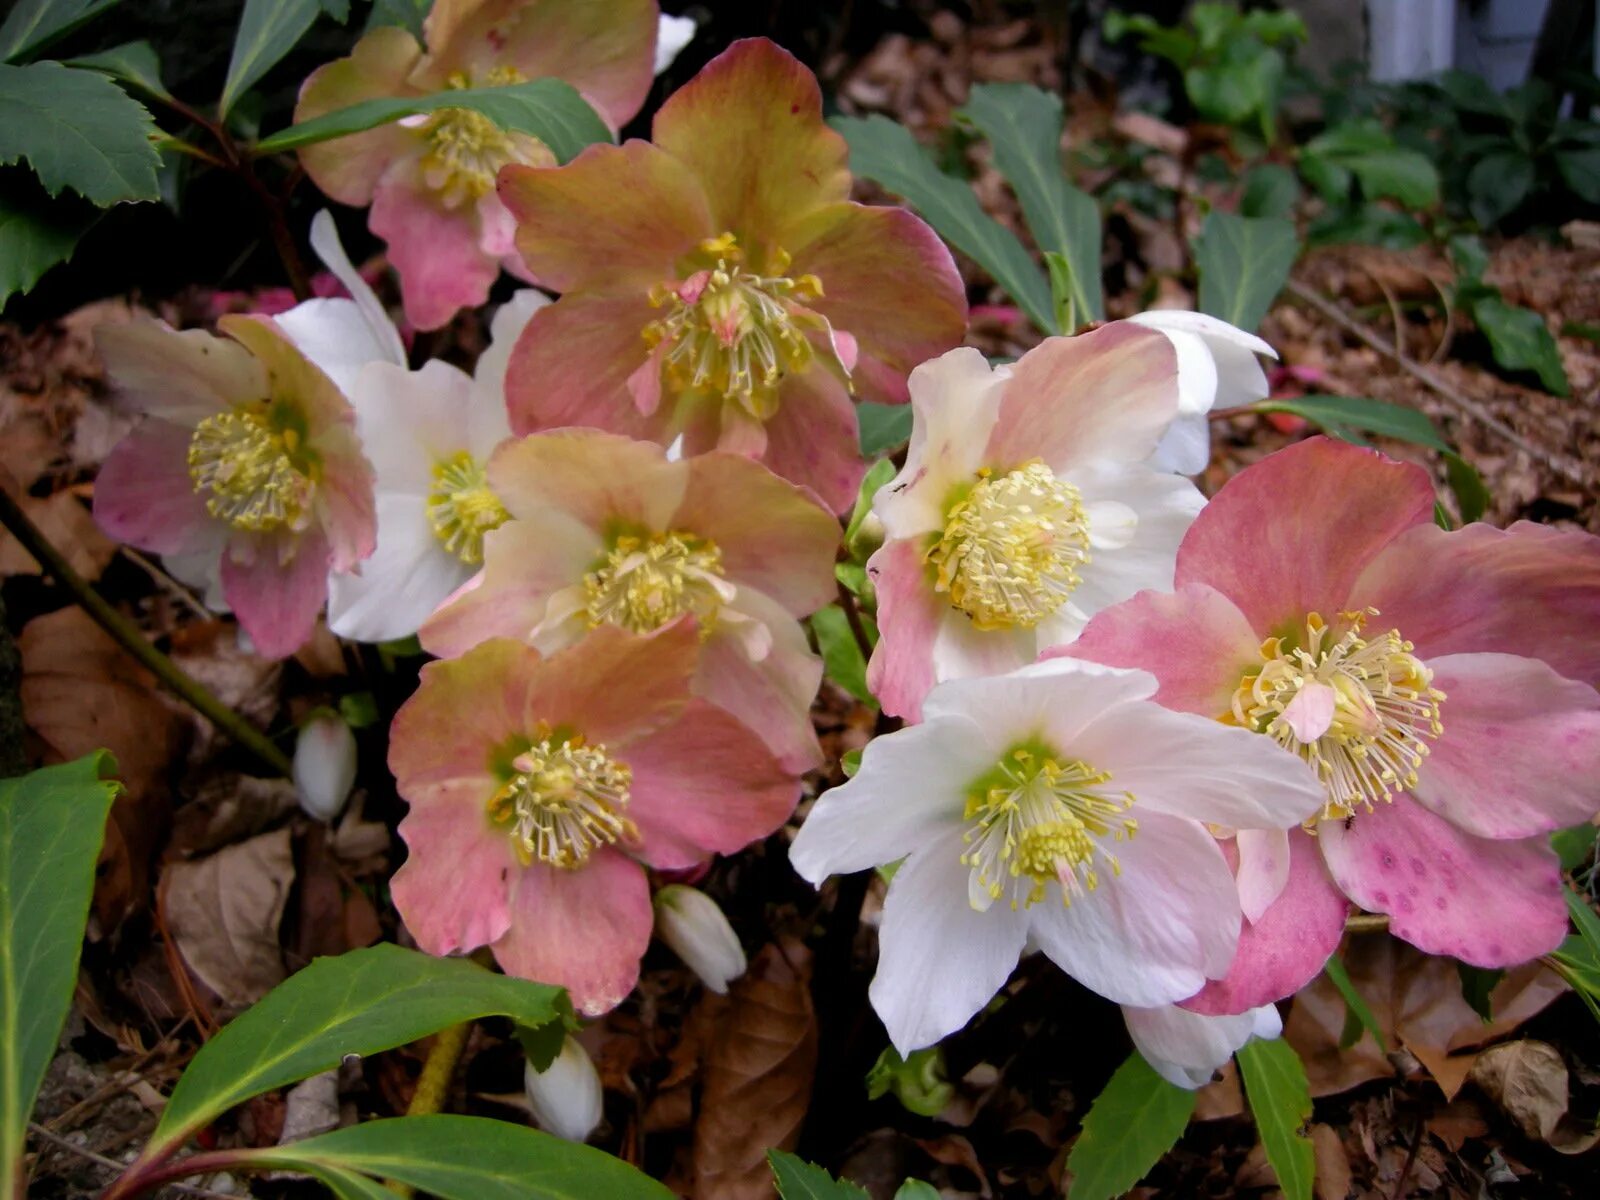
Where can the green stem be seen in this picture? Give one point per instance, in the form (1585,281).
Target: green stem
(128,636)
(433,1085)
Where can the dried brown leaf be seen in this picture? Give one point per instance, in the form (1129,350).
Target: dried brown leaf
(1333,1163)
(1527,1080)
(66,525)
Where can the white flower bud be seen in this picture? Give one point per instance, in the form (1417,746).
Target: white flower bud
(324,765)
(565,1097)
(690,922)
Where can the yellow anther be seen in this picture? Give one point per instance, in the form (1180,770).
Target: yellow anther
(645,582)
(563,800)
(466,149)
(461,508)
(246,465)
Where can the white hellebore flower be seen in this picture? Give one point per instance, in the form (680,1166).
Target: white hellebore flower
(694,926)
(565,1097)
(1217,367)
(1060,804)
(324,764)
(1187,1048)
(672,35)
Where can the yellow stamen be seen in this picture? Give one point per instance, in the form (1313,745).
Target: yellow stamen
(564,800)
(645,582)
(466,149)
(249,467)
(461,508)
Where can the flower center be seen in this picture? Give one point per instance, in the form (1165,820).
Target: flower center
(1360,710)
(732,333)
(466,149)
(461,508)
(1036,818)
(563,801)
(246,466)
(1011,547)
(645,582)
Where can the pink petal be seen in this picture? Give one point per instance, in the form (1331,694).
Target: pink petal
(1520,752)
(1526,590)
(583,929)
(143,494)
(1310,713)
(1488,903)
(1291,534)
(277,602)
(773,695)
(347,168)
(615,687)
(436,251)
(180,377)
(452,890)
(812,439)
(900,673)
(599,479)
(1263,869)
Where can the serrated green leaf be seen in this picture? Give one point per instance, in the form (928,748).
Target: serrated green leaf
(1023,125)
(36,234)
(465,1158)
(883,426)
(549,109)
(77,130)
(1363,413)
(1136,1119)
(1280,1101)
(268,30)
(358,1003)
(887,154)
(800,1180)
(132,62)
(1521,341)
(841,656)
(51,825)
(33,24)
(1243,265)
(1477,986)
(1355,1005)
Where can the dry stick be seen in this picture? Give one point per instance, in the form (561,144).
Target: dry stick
(1366,923)
(1571,469)
(55,1139)
(852,616)
(128,636)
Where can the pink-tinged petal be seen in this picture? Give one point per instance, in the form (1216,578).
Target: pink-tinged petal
(1526,590)
(435,250)
(750,127)
(1291,534)
(583,929)
(1263,869)
(623,214)
(180,377)
(1195,641)
(454,889)
(571,366)
(276,601)
(1109,394)
(812,440)
(143,494)
(900,672)
(1520,752)
(1288,945)
(773,536)
(1488,903)
(887,281)
(599,479)
(963,651)
(347,168)
(705,784)
(615,687)
(1310,713)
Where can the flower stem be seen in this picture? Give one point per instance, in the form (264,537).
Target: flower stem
(1366,923)
(128,636)
(433,1085)
(852,616)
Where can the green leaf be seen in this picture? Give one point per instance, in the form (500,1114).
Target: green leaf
(1472,497)
(1477,984)
(1587,923)
(1336,413)
(1243,264)
(915,1189)
(1521,341)
(1280,1101)
(1573,846)
(1581,170)
(51,824)
(549,109)
(34,24)
(1355,1004)
(1136,1119)
(36,234)
(918,1082)
(800,1180)
(77,130)
(408,14)
(1498,183)
(1270,190)
(358,1003)
(464,1158)
(880,473)
(132,62)
(841,656)
(268,30)
(1368,151)
(1023,124)
(883,426)
(887,154)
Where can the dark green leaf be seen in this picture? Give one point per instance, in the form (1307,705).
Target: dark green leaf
(1587,923)
(33,24)
(339,10)
(132,62)
(1363,413)
(841,656)
(1499,183)
(887,154)
(51,823)
(1023,124)
(1367,150)
(800,1180)
(77,130)
(1573,846)
(358,1003)
(408,14)
(1243,265)
(36,233)
(1355,1004)
(1270,190)
(549,109)
(268,30)
(1366,224)
(1521,341)
(1468,256)
(1136,1119)
(1472,497)
(1581,170)
(883,426)
(880,473)
(1472,93)
(1477,984)
(1280,1101)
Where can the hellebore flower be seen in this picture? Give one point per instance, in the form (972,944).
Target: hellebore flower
(541,787)
(694,926)
(1439,684)
(1187,1048)
(430,178)
(324,764)
(245,471)
(719,285)
(1025,505)
(609,531)
(565,1097)
(1061,808)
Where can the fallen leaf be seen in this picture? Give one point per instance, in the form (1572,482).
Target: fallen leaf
(1333,1163)
(1527,1080)
(65,524)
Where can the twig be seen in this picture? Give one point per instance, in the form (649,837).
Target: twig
(1366,923)
(852,616)
(1472,408)
(128,636)
(55,1139)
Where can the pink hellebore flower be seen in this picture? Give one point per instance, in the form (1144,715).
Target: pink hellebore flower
(1441,685)
(541,789)
(1024,507)
(1187,1048)
(247,467)
(430,179)
(606,531)
(720,285)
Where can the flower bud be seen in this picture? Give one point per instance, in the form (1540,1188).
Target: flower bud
(565,1097)
(324,764)
(690,922)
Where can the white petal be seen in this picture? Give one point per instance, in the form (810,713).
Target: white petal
(1186,1048)
(1164,506)
(411,420)
(408,576)
(1185,448)
(566,1098)
(489,376)
(324,765)
(672,35)
(1213,329)
(963,651)
(1197,373)
(336,337)
(382,332)
(1263,869)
